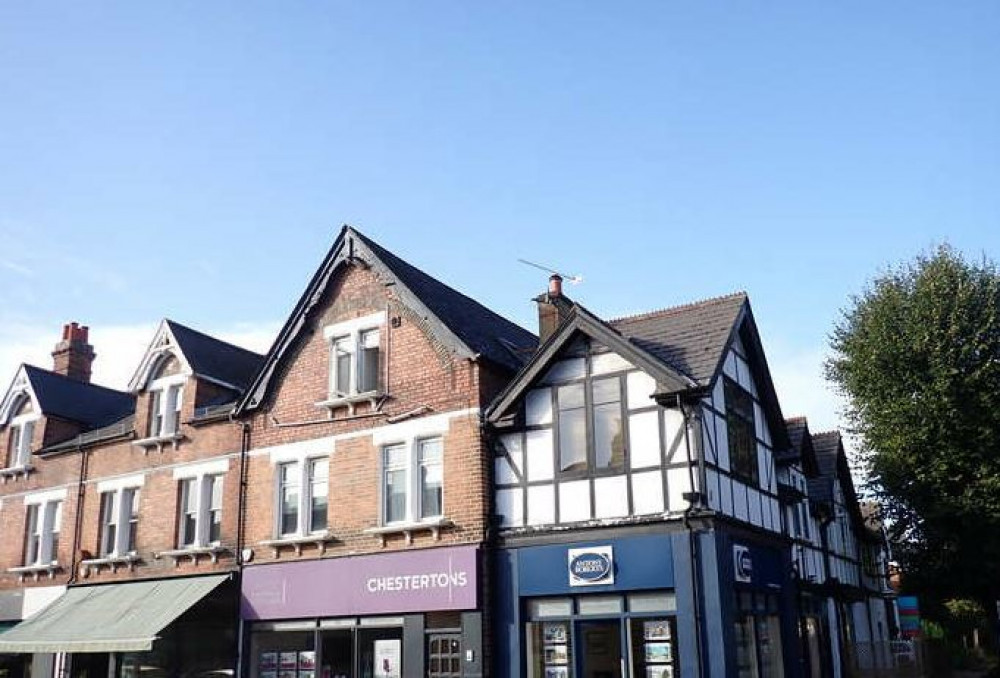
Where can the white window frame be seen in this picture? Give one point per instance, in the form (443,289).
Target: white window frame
(19,455)
(167,399)
(202,484)
(350,338)
(302,469)
(414,489)
(47,511)
(121,515)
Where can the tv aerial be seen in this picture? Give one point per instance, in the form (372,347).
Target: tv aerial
(571,279)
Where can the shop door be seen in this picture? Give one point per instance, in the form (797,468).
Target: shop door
(444,655)
(599,653)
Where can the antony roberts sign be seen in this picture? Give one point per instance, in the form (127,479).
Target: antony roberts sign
(591,566)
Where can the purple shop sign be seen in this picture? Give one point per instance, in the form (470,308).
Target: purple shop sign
(390,583)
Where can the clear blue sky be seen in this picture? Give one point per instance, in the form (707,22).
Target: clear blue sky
(194,159)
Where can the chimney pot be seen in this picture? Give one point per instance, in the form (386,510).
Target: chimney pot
(555,285)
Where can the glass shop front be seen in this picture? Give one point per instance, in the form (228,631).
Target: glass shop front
(380,616)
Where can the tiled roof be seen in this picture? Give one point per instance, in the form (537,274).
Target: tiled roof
(797,428)
(492,335)
(690,338)
(214,358)
(89,405)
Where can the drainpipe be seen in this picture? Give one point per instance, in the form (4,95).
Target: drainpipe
(78,523)
(696,503)
(240,540)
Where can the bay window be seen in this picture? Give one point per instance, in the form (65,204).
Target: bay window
(412,481)
(303,491)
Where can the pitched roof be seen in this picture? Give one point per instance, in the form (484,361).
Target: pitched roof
(216,359)
(484,331)
(90,405)
(691,337)
(470,329)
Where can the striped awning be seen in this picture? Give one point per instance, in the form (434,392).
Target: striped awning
(110,618)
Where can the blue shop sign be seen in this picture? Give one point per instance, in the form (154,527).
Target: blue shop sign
(632,563)
(757,566)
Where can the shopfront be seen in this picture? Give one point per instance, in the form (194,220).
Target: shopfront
(601,609)
(764,618)
(386,616)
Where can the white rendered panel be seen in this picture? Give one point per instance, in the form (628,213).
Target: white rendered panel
(644,439)
(719,395)
(775,508)
(740,501)
(574,501)
(510,507)
(743,373)
(539,455)
(565,370)
(541,505)
(729,369)
(712,489)
(514,444)
(640,388)
(726,487)
(722,439)
(611,497)
(673,432)
(711,447)
(678,483)
(753,497)
(538,407)
(605,363)
(504,474)
(647,493)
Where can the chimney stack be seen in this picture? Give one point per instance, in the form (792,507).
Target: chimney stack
(73,356)
(552,308)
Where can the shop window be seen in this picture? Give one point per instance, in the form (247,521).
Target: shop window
(43,522)
(741,432)
(119,521)
(595,441)
(303,492)
(200,514)
(549,649)
(758,637)
(412,481)
(653,647)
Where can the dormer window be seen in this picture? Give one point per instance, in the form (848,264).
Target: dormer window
(20,434)
(355,360)
(165,409)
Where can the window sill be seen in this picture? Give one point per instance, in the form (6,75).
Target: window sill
(320,539)
(433,525)
(16,471)
(35,571)
(349,401)
(159,442)
(193,552)
(112,562)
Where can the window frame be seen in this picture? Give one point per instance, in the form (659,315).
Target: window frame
(19,454)
(204,510)
(412,466)
(306,482)
(734,417)
(165,406)
(42,525)
(590,468)
(351,338)
(124,510)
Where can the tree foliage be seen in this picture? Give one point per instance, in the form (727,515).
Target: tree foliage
(918,357)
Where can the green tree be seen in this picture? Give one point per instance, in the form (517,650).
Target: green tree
(917,355)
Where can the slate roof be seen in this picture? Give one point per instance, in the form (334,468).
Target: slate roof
(90,405)
(484,331)
(214,358)
(691,338)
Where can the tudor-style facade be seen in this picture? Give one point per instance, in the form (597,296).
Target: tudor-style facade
(645,444)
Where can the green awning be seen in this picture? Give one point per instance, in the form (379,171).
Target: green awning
(111,618)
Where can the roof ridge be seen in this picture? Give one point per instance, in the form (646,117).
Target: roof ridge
(797,418)
(830,432)
(681,307)
(88,384)
(170,321)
